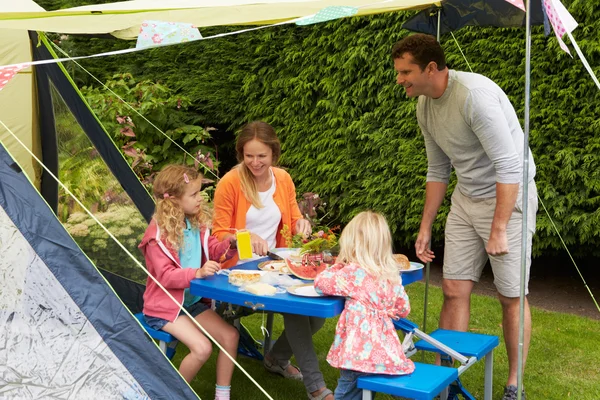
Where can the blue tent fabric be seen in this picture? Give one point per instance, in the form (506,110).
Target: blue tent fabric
(95,302)
(456,14)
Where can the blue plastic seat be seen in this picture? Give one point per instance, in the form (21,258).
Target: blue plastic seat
(166,341)
(466,343)
(426,382)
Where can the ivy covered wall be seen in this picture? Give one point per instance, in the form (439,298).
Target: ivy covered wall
(350,134)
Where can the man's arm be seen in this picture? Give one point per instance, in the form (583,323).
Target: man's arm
(434,195)
(495,136)
(506,197)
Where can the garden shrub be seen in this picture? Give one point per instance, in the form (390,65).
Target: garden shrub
(350,134)
(126,224)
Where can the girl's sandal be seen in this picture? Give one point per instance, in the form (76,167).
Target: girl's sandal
(321,395)
(275,368)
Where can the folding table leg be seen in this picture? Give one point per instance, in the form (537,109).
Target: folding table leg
(367,395)
(267,346)
(445,393)
(489,375)
(163,346)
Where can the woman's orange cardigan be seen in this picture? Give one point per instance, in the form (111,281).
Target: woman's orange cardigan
(231,206)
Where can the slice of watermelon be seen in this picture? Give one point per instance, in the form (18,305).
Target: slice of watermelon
(307,271)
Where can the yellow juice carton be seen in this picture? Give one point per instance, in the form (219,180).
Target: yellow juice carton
(244,245)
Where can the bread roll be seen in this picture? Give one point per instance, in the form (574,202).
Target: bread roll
(240,278)
(402,261)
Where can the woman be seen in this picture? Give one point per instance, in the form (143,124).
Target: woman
(261,198)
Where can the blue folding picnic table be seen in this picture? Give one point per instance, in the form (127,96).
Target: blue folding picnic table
(217,287)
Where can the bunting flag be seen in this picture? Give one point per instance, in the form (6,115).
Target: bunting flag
(9,72)
(517,3)
(562,22)
(328,14)
(154,33)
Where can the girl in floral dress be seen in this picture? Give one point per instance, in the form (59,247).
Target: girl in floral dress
(366,273)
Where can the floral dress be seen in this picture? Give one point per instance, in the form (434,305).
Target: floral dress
(365,337)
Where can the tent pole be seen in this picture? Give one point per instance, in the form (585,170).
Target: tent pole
(525,198)
(427,266)
(439,22)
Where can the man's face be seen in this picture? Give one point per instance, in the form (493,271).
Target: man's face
(415,81)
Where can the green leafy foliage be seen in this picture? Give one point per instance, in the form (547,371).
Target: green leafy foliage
(349,133)
(140,138)
(126,224)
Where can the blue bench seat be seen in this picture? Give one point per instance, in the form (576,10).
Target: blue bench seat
(426,382)
(166,341)
(466,343)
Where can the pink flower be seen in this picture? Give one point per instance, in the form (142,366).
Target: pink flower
(156,38)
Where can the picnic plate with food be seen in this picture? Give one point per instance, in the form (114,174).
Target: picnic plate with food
(274,266)
(305,290)
(414,266)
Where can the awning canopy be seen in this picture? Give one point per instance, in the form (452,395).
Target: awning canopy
(123,19)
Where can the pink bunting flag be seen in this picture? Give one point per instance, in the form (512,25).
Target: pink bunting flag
(560,19)
(7,73)
(517,3)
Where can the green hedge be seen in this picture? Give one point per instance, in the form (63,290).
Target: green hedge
(350,134)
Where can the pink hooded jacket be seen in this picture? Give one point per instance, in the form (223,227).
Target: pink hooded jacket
(163,263)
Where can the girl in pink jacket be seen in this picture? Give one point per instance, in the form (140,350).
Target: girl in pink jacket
(366,274)
(178,247)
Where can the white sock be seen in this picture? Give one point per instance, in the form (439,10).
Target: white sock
(222,392)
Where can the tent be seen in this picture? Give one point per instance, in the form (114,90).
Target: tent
(64,332)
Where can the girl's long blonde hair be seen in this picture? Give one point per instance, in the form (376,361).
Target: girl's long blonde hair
(170,184)
(367,241)
(265,134)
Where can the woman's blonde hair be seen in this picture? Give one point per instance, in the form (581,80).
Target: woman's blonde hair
(367,241)
(265,134)
(170,184)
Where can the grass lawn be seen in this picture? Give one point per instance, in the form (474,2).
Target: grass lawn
(564,358)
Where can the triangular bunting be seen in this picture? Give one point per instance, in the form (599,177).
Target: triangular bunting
(154,33)
(328,14)
(7,73)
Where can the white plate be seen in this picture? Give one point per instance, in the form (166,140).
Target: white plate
(273,266)
(414,266)
(285,253)
(305,290)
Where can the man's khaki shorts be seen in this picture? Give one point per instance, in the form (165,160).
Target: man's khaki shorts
(467,232)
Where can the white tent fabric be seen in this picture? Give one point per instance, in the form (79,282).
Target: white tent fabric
(123,19)
(63,356)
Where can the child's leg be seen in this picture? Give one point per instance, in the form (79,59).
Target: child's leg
(346,388)
(228,337)
(200,347)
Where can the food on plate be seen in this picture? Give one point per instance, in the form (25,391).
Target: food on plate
(239,278)
(296,257)
(274,266)
(306,271)
(402,261)
(260,289)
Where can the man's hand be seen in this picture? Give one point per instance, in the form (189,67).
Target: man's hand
(208,269)
(497,244)
(422,246)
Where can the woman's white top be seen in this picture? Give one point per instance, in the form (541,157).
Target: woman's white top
(264,222)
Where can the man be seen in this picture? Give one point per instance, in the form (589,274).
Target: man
(469,124)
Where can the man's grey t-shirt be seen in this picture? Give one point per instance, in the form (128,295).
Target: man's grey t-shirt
(474,128)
